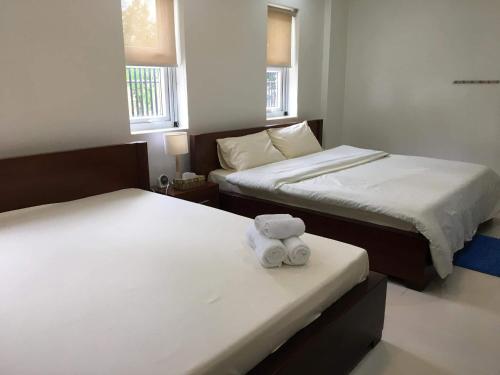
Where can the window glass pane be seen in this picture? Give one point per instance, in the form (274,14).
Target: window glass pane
(145,88)
(274,97)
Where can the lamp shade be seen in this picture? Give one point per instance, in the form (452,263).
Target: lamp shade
(176,143)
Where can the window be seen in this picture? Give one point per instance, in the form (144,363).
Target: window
(151,73)
(152,97)
(277,92)
(280,46)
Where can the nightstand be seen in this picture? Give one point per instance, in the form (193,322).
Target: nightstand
(207,194)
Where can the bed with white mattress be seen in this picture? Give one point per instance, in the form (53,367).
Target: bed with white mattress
(133,282)
(410,213)
(219,176)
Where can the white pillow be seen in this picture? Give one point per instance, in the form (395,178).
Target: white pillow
(295,140)
(246,152)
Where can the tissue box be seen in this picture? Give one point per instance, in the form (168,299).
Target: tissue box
(189,183)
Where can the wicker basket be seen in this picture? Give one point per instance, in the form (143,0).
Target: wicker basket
(190,183)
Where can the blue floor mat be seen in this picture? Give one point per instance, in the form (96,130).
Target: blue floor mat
(482,254)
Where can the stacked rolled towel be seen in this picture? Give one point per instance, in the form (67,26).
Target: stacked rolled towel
(280,226)
(275,240)
(271,252)
(297,252)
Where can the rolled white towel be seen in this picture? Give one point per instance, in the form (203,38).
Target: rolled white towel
(262,219)
(297,252)
(280,226)
(271,253)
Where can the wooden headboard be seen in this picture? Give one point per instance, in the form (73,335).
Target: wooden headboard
(203,147)
(63,176)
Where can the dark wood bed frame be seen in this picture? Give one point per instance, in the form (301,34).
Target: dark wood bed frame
(403,255)
(333,343)
(63,176)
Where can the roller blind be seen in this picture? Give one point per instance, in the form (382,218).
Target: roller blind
(279,36)
(149,32)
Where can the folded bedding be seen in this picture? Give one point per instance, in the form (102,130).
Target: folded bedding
(445,200)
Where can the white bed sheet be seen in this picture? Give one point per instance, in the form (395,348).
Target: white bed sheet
(133,282)
(219,176)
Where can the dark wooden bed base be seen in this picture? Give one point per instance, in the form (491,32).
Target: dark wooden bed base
(334,343)
(63,176)
(403,255)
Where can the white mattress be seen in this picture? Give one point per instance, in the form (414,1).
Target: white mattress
(219,176)
(133,282)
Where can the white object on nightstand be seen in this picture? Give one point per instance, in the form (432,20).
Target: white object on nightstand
(176,144)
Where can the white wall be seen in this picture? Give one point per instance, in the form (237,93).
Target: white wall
(402,58)
(225,57)
(310,28)
(226,61)
(335,46)
(64,85)
(62,74)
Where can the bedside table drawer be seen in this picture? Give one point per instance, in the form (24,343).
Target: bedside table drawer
(210,202)
(207,195)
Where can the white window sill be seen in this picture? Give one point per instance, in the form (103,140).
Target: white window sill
(161,130)
(281,120)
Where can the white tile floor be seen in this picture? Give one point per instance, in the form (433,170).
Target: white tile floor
(451,328)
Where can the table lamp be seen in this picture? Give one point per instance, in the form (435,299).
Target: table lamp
(176,144)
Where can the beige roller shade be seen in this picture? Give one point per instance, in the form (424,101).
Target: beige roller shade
(279,36)
(149,32)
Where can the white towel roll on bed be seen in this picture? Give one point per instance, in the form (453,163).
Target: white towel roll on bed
(271,252)
(261,219)
(280,226)
(297,252)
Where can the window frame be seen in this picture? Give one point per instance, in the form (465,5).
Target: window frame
(169,102)
(289,89)
(283,91)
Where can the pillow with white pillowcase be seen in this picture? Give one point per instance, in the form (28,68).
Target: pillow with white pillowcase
(295,140)
(249,151)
